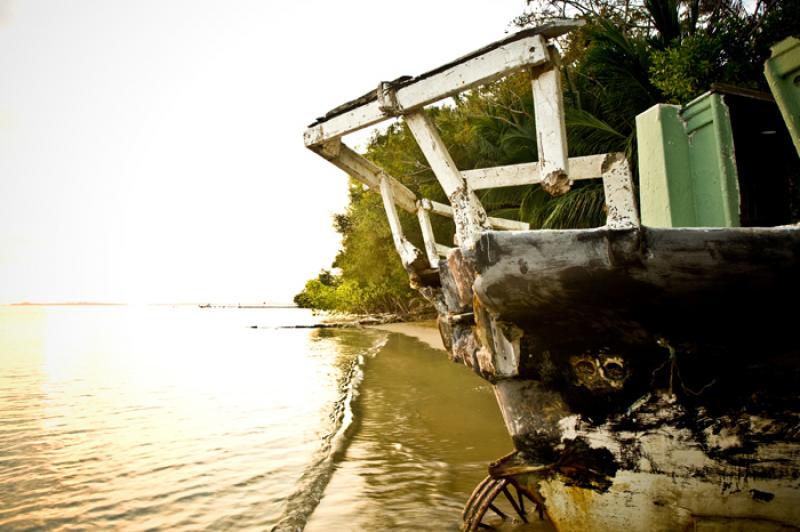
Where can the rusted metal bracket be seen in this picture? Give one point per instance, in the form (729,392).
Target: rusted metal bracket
(484,496)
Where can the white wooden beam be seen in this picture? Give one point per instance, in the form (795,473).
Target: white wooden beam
(468,213)
(484,68)
(551,133)
(427,235)
(442,250)
(619,192)
(442,209)
(435,151)
(496,223)
(409,254)
(403,196)
(494,64)
(508,225)
(586,167)
(364,170)
(503,176)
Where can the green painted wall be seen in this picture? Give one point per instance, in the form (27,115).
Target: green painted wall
(687,165)
(783,75)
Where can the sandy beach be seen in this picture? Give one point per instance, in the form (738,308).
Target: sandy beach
(424,331)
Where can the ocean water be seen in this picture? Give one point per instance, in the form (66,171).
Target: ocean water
(180,418)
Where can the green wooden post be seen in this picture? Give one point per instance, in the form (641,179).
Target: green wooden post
(783,75)
(665,196)
(687,165)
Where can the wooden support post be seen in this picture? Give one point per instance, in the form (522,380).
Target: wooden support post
(435,152)
(468,213)
(687,168)
(551,133)
(428,237)
(409,254)
(620,196)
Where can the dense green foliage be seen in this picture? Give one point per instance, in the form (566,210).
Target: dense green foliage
(629,56)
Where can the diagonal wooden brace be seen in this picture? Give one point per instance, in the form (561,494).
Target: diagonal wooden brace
(468,213)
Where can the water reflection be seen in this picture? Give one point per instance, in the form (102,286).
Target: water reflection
(159,417)
(181,419)
(427,430)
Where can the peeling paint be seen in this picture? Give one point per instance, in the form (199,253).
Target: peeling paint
(556,183)
(647,377)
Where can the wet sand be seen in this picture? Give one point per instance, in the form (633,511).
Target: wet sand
(491,439)
(424,431)
(425,331)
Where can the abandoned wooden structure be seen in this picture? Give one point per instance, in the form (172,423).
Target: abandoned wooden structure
(646,370)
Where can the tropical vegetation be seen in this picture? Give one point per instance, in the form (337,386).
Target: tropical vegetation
(630,55)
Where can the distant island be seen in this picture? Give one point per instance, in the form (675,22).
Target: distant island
(68,304)
(248,305)
(114,304)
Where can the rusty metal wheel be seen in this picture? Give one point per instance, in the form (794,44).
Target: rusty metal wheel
(485,498)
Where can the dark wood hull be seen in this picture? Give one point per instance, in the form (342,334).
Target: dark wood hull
(629,361)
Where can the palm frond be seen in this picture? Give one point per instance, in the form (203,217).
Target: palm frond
(587,134)
(534,206)
(581,207)
(509,213)
(503,197)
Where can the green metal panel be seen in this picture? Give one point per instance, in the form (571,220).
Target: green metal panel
(687,166)
(783,75)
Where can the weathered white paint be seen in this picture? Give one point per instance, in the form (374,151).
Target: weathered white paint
(409,254)
(672,481)
(441,209)
(435,151)
(442,250)
(364,170)
(586,167)
(505,348)
(496,63)
(508,225)
(551,133)
(660,502)
(468,213)
(331,149)
(427,234)
(619,192)
(497,223)
(677,484)
(387,101)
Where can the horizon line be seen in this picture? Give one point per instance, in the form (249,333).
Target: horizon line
(208,304)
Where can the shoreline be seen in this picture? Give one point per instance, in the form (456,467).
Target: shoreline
(425,331)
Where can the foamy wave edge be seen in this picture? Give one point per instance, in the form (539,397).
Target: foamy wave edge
(311,485)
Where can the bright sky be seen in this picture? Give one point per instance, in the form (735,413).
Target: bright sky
(151,150)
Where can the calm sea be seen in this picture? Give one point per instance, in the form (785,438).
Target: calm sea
(180,418)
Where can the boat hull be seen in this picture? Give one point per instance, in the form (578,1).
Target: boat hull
(648,376)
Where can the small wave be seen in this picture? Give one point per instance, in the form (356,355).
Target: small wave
(312,483)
